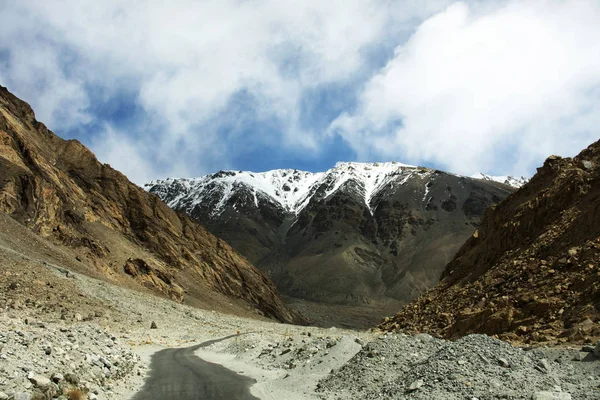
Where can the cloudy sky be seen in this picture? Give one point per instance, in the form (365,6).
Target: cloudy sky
(185,88)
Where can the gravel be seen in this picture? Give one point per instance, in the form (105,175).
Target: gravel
(475,367)
(50,359)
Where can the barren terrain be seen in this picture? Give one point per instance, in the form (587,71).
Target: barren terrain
(62,330)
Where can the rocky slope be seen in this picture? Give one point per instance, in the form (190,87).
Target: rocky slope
(531,271)
(374,235)
(111,227)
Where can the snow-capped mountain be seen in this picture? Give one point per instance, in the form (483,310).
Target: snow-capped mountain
(357,234)
(507,180)
(293,189)
(290,189)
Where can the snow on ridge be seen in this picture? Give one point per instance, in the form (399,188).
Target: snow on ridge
(291,189)
(505,179)
(372,176)
(287,187)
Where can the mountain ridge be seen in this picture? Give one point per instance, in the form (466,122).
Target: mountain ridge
(278,183)
(513,181)
(530,272)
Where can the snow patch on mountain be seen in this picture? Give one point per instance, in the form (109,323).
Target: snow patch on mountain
(507,180)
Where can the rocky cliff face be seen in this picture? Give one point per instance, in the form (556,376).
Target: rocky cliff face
(531,271)
(359,234)
(58,189)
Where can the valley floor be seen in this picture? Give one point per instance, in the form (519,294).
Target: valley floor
(60,326)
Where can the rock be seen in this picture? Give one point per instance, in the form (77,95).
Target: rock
(72,378)
(3,396)
(503,362)
(424,337)
(57,378)
(544,365)
(416,385)
(55,159)
(153,325)
(597,350)
(22,396)
(580,356)
(551,396)
(105,362)
(360,342)
(38,381)
(372,353)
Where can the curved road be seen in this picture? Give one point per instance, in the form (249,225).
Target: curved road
(179,374)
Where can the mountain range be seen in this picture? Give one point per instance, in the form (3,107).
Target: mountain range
(348,244)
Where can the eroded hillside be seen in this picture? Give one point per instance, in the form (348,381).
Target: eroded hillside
(113,228)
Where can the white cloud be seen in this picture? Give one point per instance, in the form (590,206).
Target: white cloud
(117,149)
(474,82)
(475,87)
(187,59)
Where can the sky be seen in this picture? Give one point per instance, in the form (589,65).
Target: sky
(181,89)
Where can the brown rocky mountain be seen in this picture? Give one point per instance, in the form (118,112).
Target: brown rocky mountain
(114,229)
(348,246)
(531,272)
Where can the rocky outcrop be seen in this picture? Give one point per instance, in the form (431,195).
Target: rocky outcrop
(530,272)
(58,189)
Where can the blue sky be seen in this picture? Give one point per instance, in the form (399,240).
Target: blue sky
(158,90)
